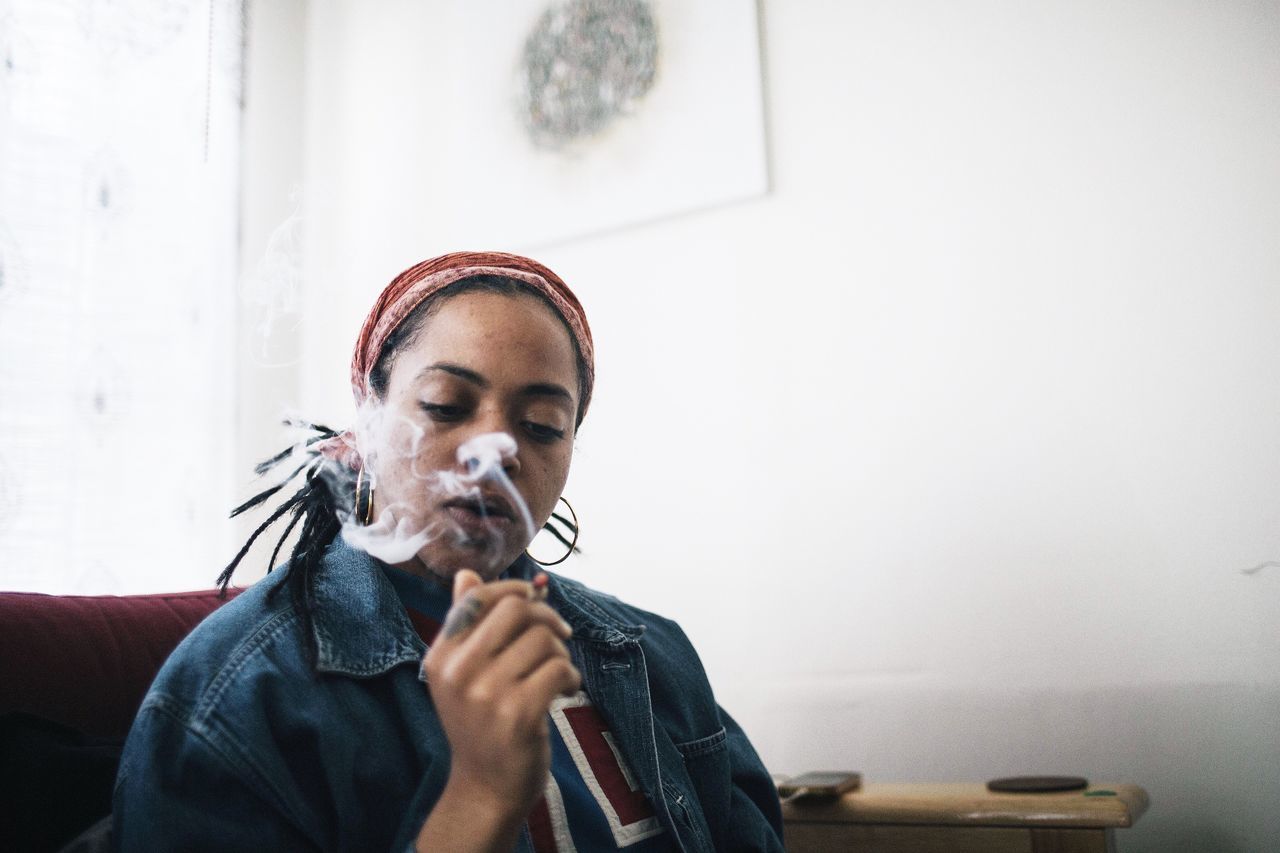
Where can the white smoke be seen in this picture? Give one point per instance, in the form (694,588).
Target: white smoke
(400,532)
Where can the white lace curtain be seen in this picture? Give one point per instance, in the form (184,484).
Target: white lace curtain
(119,142)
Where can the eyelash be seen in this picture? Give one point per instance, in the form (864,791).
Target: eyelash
(446,413)
(443,411)
(542,432)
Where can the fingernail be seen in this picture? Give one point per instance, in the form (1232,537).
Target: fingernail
(566,627)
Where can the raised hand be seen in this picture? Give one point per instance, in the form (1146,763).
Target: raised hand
(493,671)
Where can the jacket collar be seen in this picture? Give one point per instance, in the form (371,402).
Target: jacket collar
(579,606)
(361,628)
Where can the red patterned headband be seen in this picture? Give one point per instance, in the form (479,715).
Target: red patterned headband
(418,283)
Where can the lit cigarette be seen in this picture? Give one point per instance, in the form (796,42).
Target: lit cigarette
(538,592)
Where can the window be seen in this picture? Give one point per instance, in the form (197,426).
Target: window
(119,161)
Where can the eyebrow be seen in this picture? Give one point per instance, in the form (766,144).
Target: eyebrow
(536,389)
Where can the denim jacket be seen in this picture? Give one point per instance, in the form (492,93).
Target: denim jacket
(241,744)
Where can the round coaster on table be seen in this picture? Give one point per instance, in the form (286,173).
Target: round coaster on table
(1037,784)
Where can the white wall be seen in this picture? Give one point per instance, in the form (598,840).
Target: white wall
(271,240)
(949,453)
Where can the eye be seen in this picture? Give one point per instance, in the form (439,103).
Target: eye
(542,432)
(445,412)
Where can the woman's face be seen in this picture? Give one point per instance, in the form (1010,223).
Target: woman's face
(482,363)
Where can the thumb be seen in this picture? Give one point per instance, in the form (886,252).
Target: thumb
(464,581)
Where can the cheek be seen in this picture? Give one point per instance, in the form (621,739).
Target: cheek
(406,459)
(401,438)
(550,476)
(386,438)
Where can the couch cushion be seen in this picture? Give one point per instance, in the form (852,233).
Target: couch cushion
(86,661)
(56,782)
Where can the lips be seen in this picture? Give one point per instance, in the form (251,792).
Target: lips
(481,518)
(484,506)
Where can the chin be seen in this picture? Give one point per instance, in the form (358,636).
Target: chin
(446,561)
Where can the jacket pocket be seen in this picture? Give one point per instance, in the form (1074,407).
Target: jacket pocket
(703,745)
(706,766)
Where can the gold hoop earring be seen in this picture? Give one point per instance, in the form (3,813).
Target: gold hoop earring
(364,499)
(572,526)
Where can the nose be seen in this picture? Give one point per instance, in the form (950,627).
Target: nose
(510,464)
(486,451)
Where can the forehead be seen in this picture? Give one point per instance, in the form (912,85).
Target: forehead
(494,333)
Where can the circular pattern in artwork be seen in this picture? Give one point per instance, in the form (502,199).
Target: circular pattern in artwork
(585,63)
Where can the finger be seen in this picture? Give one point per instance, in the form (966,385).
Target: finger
(472,597)
(519,659)
(464,581)
(510,618)
(466,608)
(497,589)
(507,620)
(461,617)
(555,677)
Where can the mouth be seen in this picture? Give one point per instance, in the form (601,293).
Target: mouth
(486,506)
(481,515)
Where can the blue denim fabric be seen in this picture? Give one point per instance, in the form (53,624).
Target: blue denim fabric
(241,745)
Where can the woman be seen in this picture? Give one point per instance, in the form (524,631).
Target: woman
(552,717)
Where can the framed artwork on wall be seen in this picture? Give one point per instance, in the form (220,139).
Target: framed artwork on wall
(573,117)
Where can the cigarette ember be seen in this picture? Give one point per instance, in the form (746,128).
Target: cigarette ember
(539,591)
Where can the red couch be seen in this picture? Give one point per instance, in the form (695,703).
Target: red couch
(86,660)
(73,671)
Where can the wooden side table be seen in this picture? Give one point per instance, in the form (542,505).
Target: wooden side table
(962,818)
